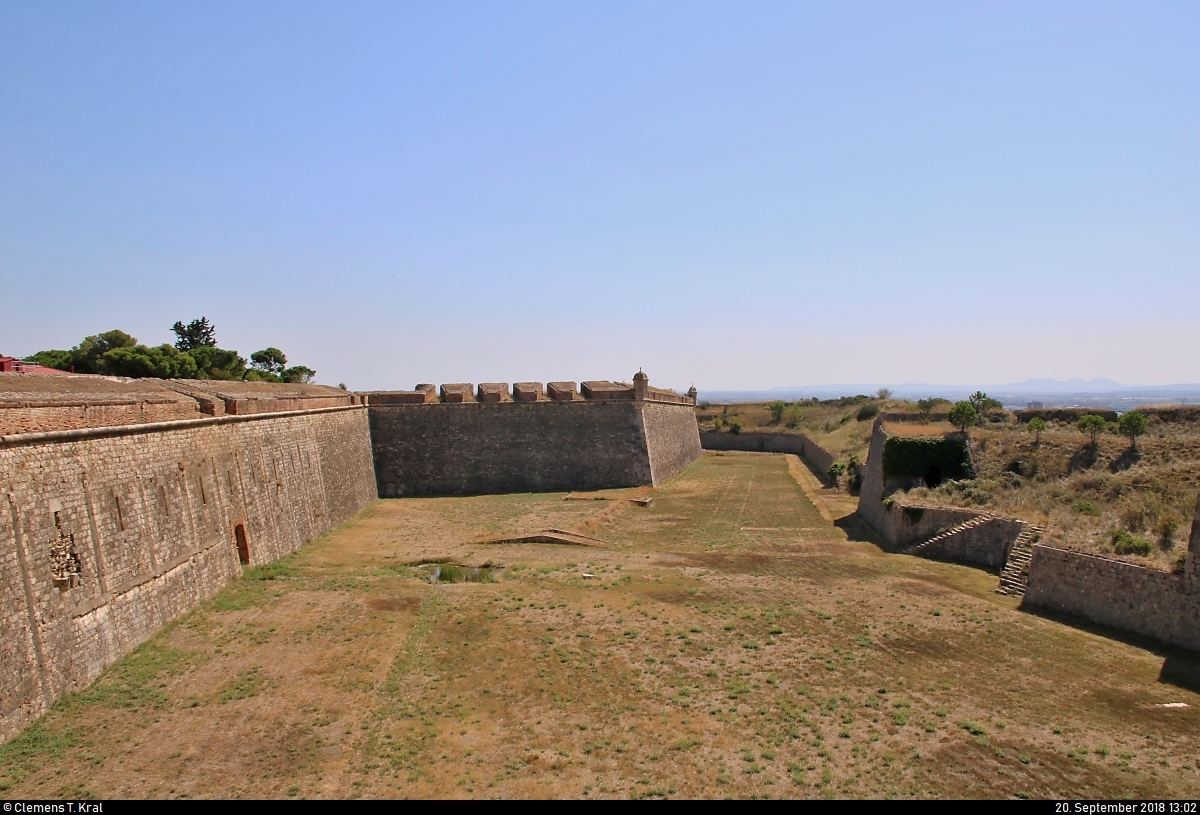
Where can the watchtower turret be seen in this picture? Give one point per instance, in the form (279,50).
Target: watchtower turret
(641,385)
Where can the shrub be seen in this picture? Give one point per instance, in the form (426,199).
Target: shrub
(735,425)
(1167,526)
(1087,508)
(777,407)
(867,412)
(1036,426)
(1125,543)
(835,472)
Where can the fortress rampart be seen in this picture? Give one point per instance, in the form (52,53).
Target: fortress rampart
(126,503)
(462,440)
(107,534)
(766,442)
(37,404)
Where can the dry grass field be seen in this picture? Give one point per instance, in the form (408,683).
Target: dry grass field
(741,637)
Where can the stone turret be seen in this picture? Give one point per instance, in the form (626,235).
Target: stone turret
(641,385)
(692,393)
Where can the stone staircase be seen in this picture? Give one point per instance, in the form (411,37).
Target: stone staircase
(1016,569)
(948,533)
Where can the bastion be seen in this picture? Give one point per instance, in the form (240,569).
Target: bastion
(481,440)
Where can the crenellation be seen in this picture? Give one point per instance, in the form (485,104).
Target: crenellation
(493,392)
(457,392)
(606,390)
(561,391)
(527,391)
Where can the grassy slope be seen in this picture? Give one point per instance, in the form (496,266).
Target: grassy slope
(732,643)
(1084,494)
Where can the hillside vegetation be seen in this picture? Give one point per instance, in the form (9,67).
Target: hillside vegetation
(841,426)
(1111,499)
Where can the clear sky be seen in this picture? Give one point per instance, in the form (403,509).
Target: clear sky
(738,195)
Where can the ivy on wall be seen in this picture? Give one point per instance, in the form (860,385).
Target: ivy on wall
(908,457)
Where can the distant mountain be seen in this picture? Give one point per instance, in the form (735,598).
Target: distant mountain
(1051,392)
(1048,386)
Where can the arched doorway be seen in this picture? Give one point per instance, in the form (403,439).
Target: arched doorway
(243,547)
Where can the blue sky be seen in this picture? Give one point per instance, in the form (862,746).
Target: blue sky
(735,195)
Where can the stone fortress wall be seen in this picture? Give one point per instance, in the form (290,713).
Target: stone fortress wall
(126,503)
(766,442)
(107,534)
(38,404)
(465,440)
(1122,595)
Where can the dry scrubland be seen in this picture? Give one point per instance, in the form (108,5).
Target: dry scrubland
(1082,493)
(833,424)
(740,638)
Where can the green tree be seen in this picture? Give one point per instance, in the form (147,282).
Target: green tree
(299,375)
(1036,425)
(162,361)
(217,363)
(269,360)
(963,415)
(1092,425)
(88,355)
(1132,424)
(883,393)
(983,403)
(196,334)
(776,408)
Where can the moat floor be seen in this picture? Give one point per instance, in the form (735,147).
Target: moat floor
(740,637)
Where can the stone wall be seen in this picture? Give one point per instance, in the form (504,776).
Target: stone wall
(987,544)
(672,438)
(39,404)
(757,441)
(30,403)
(476,448)
(1122,595)
(1125,596)
(108,534)
(903,524)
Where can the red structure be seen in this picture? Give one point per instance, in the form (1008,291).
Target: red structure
(12,365)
